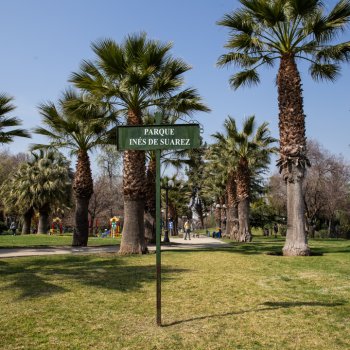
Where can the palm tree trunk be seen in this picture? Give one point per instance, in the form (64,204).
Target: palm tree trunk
(133,237)
(27,221)
(244,234)
(232,208)
(44,212)
(296,242)
(81,233)
(150,205)
(83,189)
(243,195)
(293,158)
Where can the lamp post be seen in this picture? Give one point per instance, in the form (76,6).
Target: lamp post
(218,213)
(168,186)
(224,221)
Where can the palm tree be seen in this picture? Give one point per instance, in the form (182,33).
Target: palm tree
(134,77)
(80,126)
(49,184)
(263,31)
(6,122)
(221,181)
(250,150)
(39,184)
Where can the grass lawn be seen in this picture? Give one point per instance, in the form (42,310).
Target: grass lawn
(233,298)
(39,240)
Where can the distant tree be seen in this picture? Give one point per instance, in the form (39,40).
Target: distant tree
(326,189)
(106,201)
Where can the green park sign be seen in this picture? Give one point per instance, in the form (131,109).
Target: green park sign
(152,137)
(158,137)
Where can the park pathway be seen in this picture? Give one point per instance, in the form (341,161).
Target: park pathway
(176,243)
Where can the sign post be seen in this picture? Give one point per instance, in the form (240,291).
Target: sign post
(158,137)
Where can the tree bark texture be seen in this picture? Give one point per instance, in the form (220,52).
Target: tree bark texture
(83,189)
(293,159)
(243,196)
(244,234)
(150,202)
(44,224)
(27,221)
(133,242)
(81,233)
(296,241)
(134,182)
(232,208)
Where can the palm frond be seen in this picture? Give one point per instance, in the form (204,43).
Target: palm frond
(247,77)
(325,71)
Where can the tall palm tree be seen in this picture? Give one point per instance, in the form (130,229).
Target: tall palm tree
(263,31)
(250,150)
(221,179)
(7,107)
(136,76)
(80,126)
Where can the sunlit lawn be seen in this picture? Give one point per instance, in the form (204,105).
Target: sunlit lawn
(234,298)
(37,240)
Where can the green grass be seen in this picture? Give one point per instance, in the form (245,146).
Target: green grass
(232,298)
(39,240)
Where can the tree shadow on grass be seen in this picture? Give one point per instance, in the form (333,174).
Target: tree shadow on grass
(266,248)
(237,248)
(43,276)
(268,306)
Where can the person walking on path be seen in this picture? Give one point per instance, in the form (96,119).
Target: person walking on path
(187,228)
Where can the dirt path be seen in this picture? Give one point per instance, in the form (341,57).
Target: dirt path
(176,243)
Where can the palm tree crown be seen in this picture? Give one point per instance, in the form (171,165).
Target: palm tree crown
(263,31)
(75,123)
(137,75)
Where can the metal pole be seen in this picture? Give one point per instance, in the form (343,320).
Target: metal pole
(166,231)
(158,253)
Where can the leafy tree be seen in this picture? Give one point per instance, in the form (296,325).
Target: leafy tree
(6,122)
(80,126)
(263,31)
(106,200)
(134,77)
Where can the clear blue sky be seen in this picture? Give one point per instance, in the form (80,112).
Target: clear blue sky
(44,41)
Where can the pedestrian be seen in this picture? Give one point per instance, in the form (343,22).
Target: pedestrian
(187,228)
(219,233)
(13,228)
(275,229)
